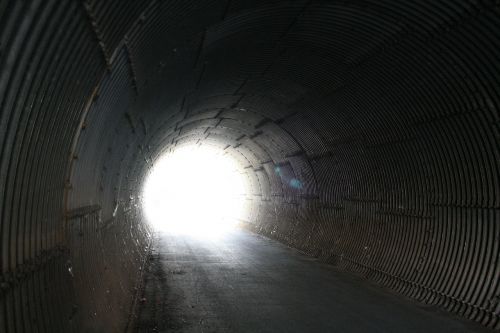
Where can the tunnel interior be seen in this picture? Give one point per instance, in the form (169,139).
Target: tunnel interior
(367,131)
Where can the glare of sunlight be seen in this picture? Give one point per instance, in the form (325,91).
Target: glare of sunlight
(195,190)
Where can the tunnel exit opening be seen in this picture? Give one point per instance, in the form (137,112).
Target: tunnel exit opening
(195,190)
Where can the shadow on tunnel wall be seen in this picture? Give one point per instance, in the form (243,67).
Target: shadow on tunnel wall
(369,131)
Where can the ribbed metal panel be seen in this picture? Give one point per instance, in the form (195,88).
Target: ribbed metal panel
(111,20)
(51,65)
(45,45)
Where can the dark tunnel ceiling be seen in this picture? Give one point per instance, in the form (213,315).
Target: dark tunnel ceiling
(385,111)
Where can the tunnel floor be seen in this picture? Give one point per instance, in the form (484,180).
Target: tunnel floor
(246,283)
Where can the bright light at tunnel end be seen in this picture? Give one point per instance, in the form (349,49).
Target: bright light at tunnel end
(195,190)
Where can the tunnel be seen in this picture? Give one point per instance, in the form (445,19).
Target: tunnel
(367,133)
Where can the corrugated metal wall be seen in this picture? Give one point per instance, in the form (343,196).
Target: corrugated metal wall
(368,130)
(72,244)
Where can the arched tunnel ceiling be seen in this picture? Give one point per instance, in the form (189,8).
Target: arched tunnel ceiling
(369,131)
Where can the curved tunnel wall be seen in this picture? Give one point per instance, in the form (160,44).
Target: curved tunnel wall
(369,131)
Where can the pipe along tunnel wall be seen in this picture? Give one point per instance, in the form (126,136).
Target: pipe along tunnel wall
(369,131)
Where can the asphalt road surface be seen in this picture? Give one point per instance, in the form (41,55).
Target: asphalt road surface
(243,282)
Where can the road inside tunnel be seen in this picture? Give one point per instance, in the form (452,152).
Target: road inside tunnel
(243,282)
(365,134)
